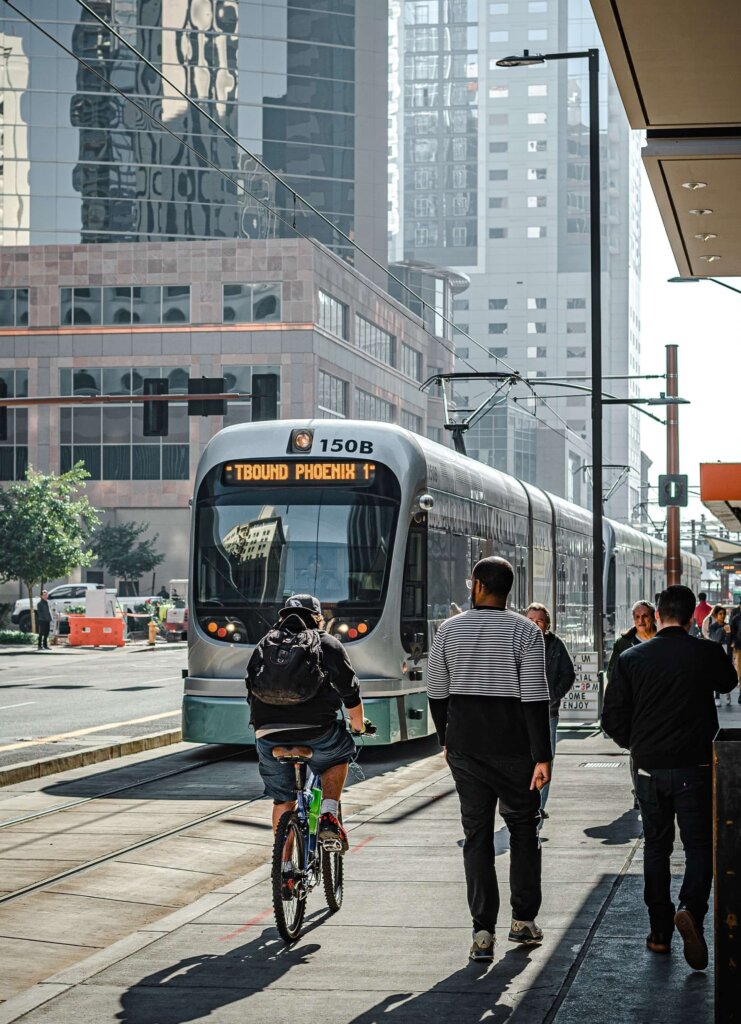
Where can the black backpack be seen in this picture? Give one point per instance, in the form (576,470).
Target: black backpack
(288,669)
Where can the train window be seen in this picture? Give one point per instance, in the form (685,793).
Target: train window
(414,588)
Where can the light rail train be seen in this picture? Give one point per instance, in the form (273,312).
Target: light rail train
(384,527)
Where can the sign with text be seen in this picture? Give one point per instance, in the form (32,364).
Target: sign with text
(581,703)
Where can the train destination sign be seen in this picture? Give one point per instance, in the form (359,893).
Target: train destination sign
(299,472)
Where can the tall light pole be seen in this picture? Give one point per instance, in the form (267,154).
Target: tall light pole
(673,553)
(595,278)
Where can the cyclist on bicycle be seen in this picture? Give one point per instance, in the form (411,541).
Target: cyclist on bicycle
(285,715)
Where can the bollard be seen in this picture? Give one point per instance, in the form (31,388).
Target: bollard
(727,874)
(152,627)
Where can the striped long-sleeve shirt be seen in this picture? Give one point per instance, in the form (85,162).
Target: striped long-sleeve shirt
(487,686)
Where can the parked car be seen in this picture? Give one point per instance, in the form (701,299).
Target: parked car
(60,599)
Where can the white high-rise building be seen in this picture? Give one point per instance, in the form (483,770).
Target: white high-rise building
(490,175)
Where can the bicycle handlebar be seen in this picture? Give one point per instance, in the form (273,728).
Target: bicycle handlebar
(369,729)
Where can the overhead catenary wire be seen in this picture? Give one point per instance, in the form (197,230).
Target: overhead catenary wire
(240,186)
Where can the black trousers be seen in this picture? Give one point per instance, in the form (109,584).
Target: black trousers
(481,785)
(42,629)
(684,794)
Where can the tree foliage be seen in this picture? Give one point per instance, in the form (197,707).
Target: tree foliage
(119,549)
(45,528)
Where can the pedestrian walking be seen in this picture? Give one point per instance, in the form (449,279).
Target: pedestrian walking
(719,631)
(702,610)
(736,643)
(489,699)
(643,628)
(659,705)
(43,620)
(560,673)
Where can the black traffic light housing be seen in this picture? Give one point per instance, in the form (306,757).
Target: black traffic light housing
(264,396)
(207,386)
(673,490)
(156,414)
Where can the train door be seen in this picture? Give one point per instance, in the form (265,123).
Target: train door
(520,595)
(414,634)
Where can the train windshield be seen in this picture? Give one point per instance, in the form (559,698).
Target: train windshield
(262,535)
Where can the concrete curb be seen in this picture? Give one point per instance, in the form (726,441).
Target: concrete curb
(24,771)
(102,959)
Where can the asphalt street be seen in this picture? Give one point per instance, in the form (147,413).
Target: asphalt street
(46,696)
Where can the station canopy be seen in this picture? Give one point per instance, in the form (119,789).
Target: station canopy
(677,66)
(720,492)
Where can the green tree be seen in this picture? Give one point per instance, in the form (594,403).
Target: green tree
(119,549)
(45,528)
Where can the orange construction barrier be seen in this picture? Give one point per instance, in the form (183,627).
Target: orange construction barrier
(88,632)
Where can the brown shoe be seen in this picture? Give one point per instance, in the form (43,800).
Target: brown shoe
(695,946)
(658,943)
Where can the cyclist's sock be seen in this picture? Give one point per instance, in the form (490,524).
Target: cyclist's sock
(330,807)
(287,866)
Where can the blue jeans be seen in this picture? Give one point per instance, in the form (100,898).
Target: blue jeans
(335,746)
(545,790)
(684,794)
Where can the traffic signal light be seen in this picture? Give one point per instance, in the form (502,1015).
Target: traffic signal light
(156,414)
(673,490)
(207,386)
(3,411)
(264,396)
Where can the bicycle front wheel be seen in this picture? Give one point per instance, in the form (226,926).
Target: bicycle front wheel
(289,894)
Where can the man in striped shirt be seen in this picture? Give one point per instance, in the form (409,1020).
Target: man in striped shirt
(489,699)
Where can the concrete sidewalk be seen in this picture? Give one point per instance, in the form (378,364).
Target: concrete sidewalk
(397,951)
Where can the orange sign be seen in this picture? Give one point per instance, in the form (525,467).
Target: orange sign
(720,481)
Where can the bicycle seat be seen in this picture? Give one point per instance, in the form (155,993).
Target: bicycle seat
(292,755)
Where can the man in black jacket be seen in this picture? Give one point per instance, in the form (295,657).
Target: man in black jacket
(659,704)
(43,621)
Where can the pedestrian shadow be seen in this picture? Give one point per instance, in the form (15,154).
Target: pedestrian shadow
(467,996)
(196,987)
(622,830)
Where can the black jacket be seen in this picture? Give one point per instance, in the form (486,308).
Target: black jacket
(736,629)
(659,702)
(624,642)
(43,612)
(318,714)
(559,671)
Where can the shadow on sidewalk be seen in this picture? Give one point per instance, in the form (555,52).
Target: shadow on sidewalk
(622,830)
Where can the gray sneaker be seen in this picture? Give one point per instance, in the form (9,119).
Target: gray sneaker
(482,949)
(525,932)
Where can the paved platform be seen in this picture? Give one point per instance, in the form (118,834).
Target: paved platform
(397,951)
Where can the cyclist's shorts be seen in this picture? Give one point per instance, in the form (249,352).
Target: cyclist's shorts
(330,748)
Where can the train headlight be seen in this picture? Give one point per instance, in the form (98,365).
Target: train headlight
(302,440)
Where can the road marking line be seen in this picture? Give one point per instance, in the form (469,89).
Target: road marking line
(86,732)
(5,707)
(250,924)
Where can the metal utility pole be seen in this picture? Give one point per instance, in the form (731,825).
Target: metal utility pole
(673,553)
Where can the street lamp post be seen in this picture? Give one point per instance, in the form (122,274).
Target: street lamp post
(595,271)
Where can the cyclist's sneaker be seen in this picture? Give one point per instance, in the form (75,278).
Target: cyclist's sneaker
(525,932)
(332,834)
(482,948)
(288,885)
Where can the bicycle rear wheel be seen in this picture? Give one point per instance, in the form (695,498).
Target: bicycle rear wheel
(289,846)
(333,877)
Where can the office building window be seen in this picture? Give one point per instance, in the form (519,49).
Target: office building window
(498,202)
(537,173)
(13,308)
(576,353)
(537,352)
(371,407)
(498,328)
(576,303)
(537,35)
(537,7)
(262,382)
(536,327)
(537,303)
(459,235)
(14,447)
(332,315)
(539,231)
(425,236)
(461,353)
(537,117)
(498,119)
(460,305)
(463,328)
(332,397)
(537,90)
(576,328)
(498,92)
(578,426)
(411,361)
(534,202)
(251,303)
(498,175)
(498,303)
(110,440)
(537,145)
(498,36)
(374,341)
(498,353)
(410,421)
(124,304)
(498,147)
(497,232)
(498,8)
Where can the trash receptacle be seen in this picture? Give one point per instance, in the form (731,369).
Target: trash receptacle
(727,874)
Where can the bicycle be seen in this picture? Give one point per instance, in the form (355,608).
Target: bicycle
(312,862)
